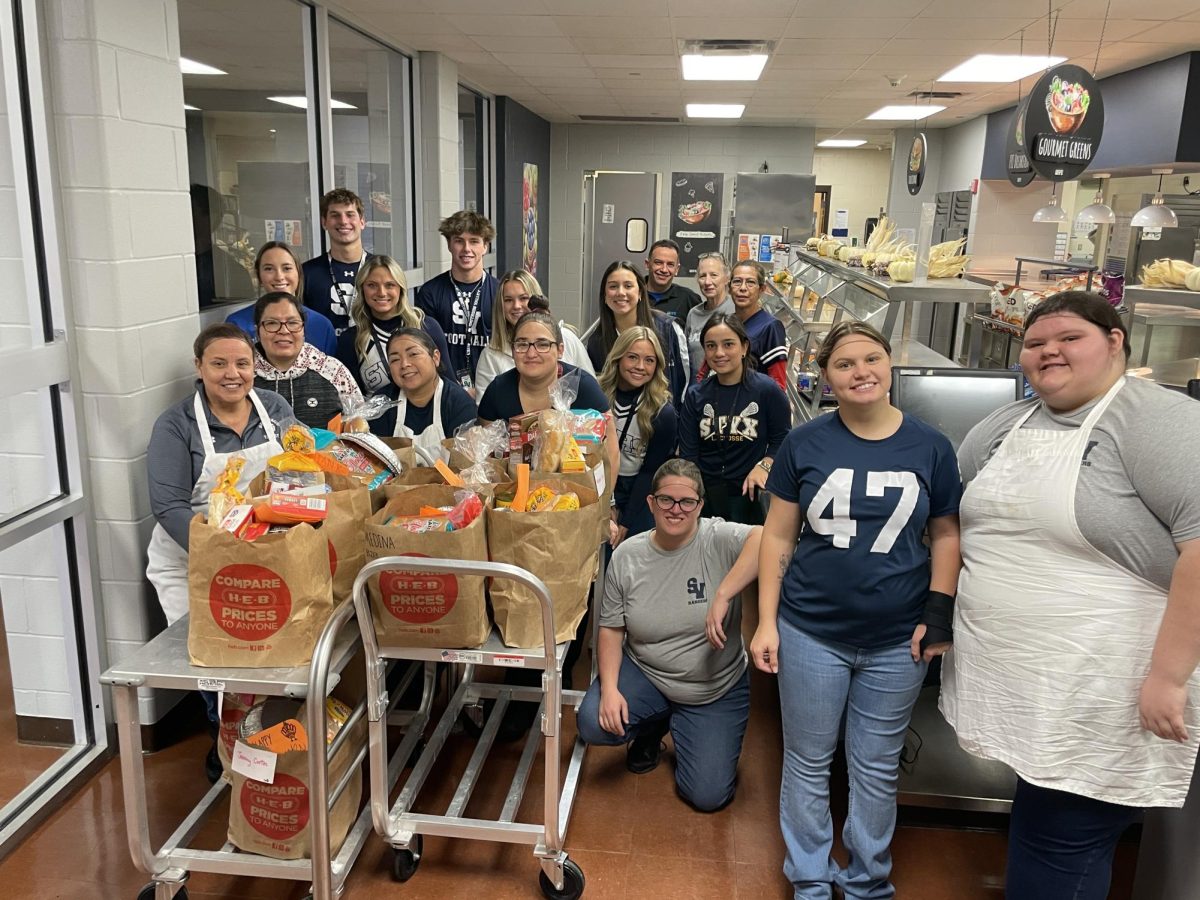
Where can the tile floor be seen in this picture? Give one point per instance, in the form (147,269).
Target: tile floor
(630,834)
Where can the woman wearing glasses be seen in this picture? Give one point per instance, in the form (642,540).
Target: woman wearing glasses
(712,275)
(431,406)
(317,387)
(380,307)
(520,293)
(625,302)
(768,342)
(635,382)
(671,596)
(732,424)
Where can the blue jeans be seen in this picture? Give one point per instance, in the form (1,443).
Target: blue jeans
(1060,845)
(819,683)
(707,737)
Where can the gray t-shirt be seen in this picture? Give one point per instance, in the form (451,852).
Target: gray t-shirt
(696,318)
(1139,479)
(661,599)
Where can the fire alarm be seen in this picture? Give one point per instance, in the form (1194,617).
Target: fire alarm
(974,185)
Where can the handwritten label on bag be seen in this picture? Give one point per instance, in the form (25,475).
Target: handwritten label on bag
(249,602)
(598,476)
(254,763)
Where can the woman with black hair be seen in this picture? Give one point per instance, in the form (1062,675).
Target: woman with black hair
(625,302)
(431,406)
(732,424)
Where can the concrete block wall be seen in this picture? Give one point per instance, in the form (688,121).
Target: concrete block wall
(664,149)
(438,134)
(116,98)
(858,181)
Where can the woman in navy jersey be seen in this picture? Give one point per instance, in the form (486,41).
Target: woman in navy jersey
(852,606)
(768,342)
(732,424)
(380,307)
(635,381)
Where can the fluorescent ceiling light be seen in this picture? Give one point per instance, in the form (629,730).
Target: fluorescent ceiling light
(725,67)
(189,106)
(1000,68)
(906,113)
(841,142)
(301,102)
(191,67)
(715,110)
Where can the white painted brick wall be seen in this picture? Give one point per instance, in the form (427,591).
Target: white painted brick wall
(438,134)
(116,102)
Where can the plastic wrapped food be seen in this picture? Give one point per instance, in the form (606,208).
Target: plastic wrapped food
(298,438)
(292,469)
(225,494)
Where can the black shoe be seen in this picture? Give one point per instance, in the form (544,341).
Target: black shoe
(646,749)
(212,765)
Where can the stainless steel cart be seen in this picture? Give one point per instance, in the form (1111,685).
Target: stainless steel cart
(163,663)
(560,878)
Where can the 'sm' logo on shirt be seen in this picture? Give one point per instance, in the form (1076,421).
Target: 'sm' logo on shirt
(695,587)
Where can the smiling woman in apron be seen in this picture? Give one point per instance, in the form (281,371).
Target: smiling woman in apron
(380,307)
(317,387)
(635,381)
(1078,610)
(431,406)
(189,447)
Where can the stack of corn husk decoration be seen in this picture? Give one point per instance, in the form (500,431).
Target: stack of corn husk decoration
(1168,273)
(895,251)
(945,261)
(851,255)
(829,247)
(814,242)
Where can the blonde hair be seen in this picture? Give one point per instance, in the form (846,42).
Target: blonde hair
(657,392)
(503,332)
(409,315)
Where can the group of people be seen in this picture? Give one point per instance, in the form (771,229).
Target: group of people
(1056,561)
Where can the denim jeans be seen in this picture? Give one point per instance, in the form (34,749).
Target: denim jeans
(707,736)
(819,683)
(1060,845)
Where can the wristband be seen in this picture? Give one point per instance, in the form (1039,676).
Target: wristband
(938,619)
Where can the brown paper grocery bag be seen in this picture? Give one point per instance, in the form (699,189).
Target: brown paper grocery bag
(411,609)
(257,604)
(349,505)
(233,709)
(273,819)
(560,548)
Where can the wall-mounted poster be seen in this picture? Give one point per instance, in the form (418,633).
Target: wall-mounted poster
(529,218)
(696,216)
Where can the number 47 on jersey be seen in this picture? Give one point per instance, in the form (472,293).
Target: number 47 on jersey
(835,493)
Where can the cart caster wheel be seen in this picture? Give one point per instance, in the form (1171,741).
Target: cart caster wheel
(147,893)
(573,883)
(405,862)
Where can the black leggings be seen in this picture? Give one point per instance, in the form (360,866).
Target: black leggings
(723,499)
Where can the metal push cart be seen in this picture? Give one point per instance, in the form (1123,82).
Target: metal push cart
(560,878)
(163,663)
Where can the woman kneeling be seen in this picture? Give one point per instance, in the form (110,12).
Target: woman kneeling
(665,663)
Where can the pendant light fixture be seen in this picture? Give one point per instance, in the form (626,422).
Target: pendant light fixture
(1097,212)
(1156,215)
(1051,212)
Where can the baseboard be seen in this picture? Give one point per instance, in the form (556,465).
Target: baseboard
(44,731)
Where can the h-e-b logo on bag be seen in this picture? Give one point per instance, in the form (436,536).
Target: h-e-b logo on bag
(418,598)
(249,602)
(279,810)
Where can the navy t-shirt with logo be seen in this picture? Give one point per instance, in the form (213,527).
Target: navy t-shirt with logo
(726,429)
(860,571)
(452,305)
(329,288)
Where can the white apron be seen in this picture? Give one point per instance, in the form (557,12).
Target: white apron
(1052,639)
(167,567)
(431,438)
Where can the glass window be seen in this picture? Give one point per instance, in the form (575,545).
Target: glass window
(474,150)
(29,470)
(370,86)
(247,138)
(20,317)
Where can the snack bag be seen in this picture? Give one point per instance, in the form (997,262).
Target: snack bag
(293,469)
(225,494)
(298,438)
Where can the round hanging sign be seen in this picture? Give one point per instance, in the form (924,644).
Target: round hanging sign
(916,163)
(1064,122)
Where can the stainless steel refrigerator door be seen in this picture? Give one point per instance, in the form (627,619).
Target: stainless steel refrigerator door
(620,220)
(764,204)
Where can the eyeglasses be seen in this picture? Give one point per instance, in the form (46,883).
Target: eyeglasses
(665,502)
(274,326)
(540,346)
(743,282)
(710,256)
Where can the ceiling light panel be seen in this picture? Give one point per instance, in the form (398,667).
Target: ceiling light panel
(841,142)
(302,102)
(715,110)
(907,113)
(727,67)
(1000,68)
(191,67)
